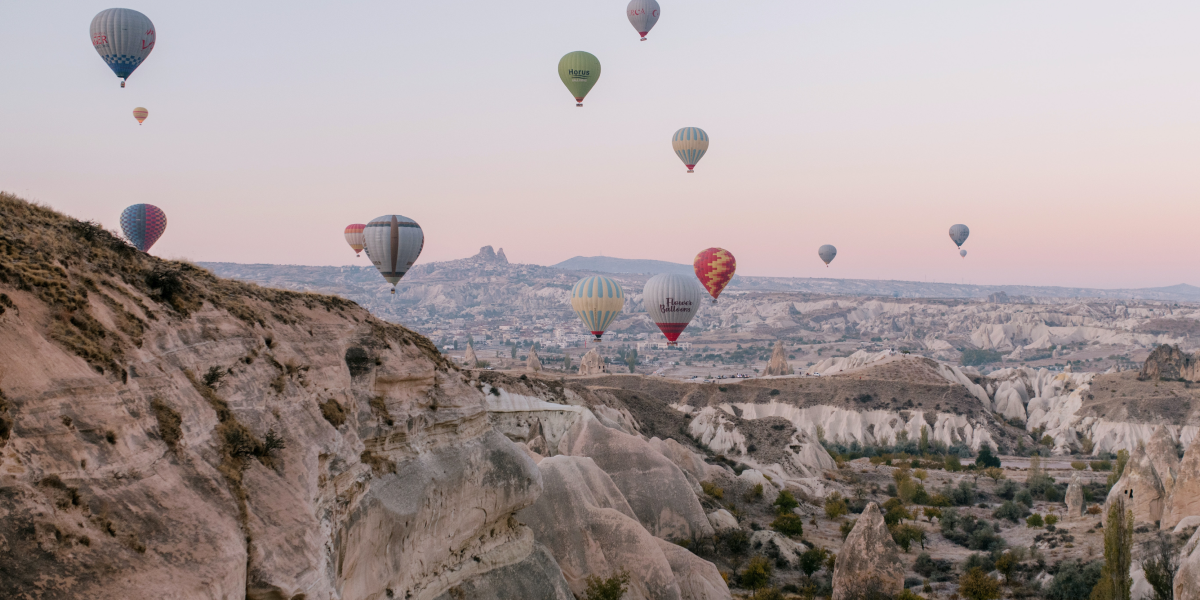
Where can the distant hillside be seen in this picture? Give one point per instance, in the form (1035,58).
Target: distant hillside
(608,264)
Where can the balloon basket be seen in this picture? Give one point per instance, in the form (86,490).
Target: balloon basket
(122,83)
(393,291)
(643,39)
(580,105)
(691,171)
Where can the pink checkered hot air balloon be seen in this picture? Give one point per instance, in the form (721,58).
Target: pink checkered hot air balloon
(143,224)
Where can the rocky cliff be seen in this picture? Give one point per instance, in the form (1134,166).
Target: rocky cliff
(168,434)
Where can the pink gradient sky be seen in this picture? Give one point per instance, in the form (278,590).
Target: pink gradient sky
(1065,134)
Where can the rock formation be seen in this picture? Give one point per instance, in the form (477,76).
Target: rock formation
(533,364)
(868,558)
(1075,503)
(722,520)
(1165,458)
(778,364)
(469,358)
(1140,488)
(1170,363)
(488,255)
(592,364)
(176,435)
(1187,579)
(500,257)
(1185,497)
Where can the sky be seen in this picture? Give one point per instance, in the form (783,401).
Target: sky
(1066,134)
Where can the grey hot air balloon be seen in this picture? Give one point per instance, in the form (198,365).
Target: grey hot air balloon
(393,243)
(962,253)
(124,38)
(827,252)
(671,301)
(643,14)
(959,234)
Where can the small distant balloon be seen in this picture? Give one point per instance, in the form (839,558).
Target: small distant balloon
(393,243)
(598,301)
(827,252)
(959,233)
(124,38)
(962,253)
(140,114)
(643,14)
(143,224)
(354,237)
(690,144)
(579,71)
(714,268)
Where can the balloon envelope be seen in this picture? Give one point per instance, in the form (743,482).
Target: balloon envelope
(827,252)
(597,300)
(959,233)
(140,114)
(124,38)
(643,14)
(143,224)
(579,71)
(714,268)
(690,144)
(962,253)
(393,243)
(354,237)
(671,301)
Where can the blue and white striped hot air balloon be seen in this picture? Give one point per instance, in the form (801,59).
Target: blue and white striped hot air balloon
(690,144)
(124,38)
(597,300)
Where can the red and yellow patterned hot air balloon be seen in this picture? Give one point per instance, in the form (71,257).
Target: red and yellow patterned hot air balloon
(714,269)
(354,237)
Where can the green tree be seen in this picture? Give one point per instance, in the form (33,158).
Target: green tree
(986,459)
(812,559)
(1160,562)
(631,359)
(846,527)
(757,573)
(1115,582)
(976,585)
(835,506)
(612,588)
(953,463)
(566,362)
(785,502)
(788,524)
(513,352)
(923,446)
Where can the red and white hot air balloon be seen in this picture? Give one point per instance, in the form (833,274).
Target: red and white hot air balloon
(671,301)
(354,237)
(643,14)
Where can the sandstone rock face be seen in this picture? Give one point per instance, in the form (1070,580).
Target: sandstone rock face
(722,519)
(533,364)
(592,364)
(1170,363)
(469,358)
(383,476)
(536,576)
(869,557)
(1187,579)
(1165,458)
(1185,497)
(1140,488)
(773,543)
(657,490)
(778,364)
(586,523)
(1075,503)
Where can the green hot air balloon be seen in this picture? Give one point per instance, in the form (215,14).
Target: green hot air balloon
(579,72)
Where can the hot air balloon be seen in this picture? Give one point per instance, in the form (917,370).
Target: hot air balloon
(140,114)
(579,71)
(124,38)
(354,237)
(393,243)
(962,253)
(959,233)
(827,252)
(643,14)
(143,224)
(597,300)
(714,268)
(690,144)
(671,300)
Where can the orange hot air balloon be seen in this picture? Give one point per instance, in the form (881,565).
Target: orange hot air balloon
(354,237)
(714,269)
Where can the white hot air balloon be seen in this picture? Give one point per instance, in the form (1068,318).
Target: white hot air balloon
(959,233)
(827,252)
(672,300)
(393,243)
(124,38)
(690,144)
(643,14)
(962,253)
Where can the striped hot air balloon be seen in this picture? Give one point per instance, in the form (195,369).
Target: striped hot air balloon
(124,38)
(579,71)
(671,300)
(143,224)
(140,114)
(643,14)
(597,300)
(393,243)
(714,268)
(354,237)
(827,252)
(690,144)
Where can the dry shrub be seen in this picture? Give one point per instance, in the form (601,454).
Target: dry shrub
(379,465)
(380,410)
(169,422)
(333,412)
